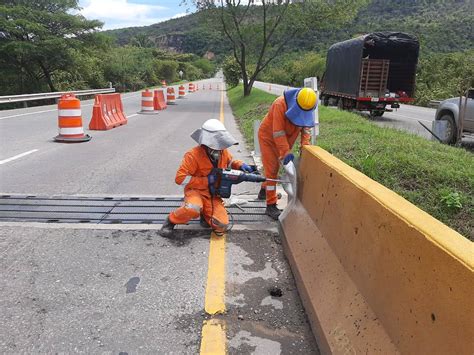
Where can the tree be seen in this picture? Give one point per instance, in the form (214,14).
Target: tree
(38,37)
(231,71)
(260,30)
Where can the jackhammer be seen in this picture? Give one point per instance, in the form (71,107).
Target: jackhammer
(228,177)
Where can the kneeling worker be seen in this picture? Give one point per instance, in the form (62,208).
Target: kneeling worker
(195,176)
(289,115)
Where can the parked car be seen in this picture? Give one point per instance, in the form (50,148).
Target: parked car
(448,110)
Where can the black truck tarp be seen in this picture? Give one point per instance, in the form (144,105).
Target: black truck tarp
(344,59)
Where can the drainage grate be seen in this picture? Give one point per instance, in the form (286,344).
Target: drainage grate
(109,210)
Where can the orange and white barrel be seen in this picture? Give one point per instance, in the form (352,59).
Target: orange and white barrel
(147,102)
(191,87)
(170,96)
(70,120)
(181,92)
(163,83)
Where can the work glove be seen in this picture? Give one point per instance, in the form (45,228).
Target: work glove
(246,168)
(289,157)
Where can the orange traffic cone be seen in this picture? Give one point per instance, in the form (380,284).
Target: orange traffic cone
(70,121)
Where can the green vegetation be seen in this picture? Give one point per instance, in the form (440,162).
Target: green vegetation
(441,75)
(44,47)
(437,178)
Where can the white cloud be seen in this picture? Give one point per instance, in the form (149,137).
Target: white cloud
(181,14)
(121,13)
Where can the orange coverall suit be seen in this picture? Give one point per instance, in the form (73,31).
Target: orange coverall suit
(276,136)
(192,175)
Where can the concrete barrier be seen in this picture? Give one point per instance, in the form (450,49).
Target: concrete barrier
(375,273)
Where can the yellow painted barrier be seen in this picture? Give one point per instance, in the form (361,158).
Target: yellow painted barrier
(376,274)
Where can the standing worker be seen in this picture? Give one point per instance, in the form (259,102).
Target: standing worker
(289,115)
(195,175)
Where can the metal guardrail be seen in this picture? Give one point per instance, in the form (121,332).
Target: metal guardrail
(51,95)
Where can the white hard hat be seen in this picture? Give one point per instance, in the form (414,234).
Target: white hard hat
(214,135)
(213,125)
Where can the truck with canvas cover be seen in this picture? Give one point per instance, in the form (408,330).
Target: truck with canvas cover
(370,72)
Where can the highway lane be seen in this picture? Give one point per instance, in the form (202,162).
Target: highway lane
(139,158)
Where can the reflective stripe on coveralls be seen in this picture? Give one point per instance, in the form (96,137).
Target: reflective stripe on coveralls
(276,136)
(196,166)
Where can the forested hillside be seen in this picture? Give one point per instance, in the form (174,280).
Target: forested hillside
(441,26)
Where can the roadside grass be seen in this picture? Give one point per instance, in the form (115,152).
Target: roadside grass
(437,178)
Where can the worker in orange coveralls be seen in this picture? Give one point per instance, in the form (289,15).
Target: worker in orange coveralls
(289,116)
(195,175)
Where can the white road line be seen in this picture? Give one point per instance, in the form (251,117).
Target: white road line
(17,156)
(135,114)
(28,113)
(411,118)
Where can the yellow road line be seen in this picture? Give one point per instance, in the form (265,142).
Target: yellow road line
(213,337)
(221,117)
(215,289)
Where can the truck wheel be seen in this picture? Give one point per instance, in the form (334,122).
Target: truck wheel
(451,129)
(325,100)
(376,113)
(340,103)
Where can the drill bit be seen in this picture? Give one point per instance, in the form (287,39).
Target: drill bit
(279,181)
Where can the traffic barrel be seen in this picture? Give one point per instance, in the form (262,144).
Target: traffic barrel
(191,87)
(210,86)
(147,102)
(163,83)
(170,96)
(70,121)
(181,92)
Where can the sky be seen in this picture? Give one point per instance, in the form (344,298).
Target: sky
(129,13)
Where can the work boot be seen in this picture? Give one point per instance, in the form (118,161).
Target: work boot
(166,230)
(273,211)
(203,222)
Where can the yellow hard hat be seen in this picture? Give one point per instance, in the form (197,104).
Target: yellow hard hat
(306,99)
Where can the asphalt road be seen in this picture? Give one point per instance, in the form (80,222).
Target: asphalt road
(140,158)
(124,289)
